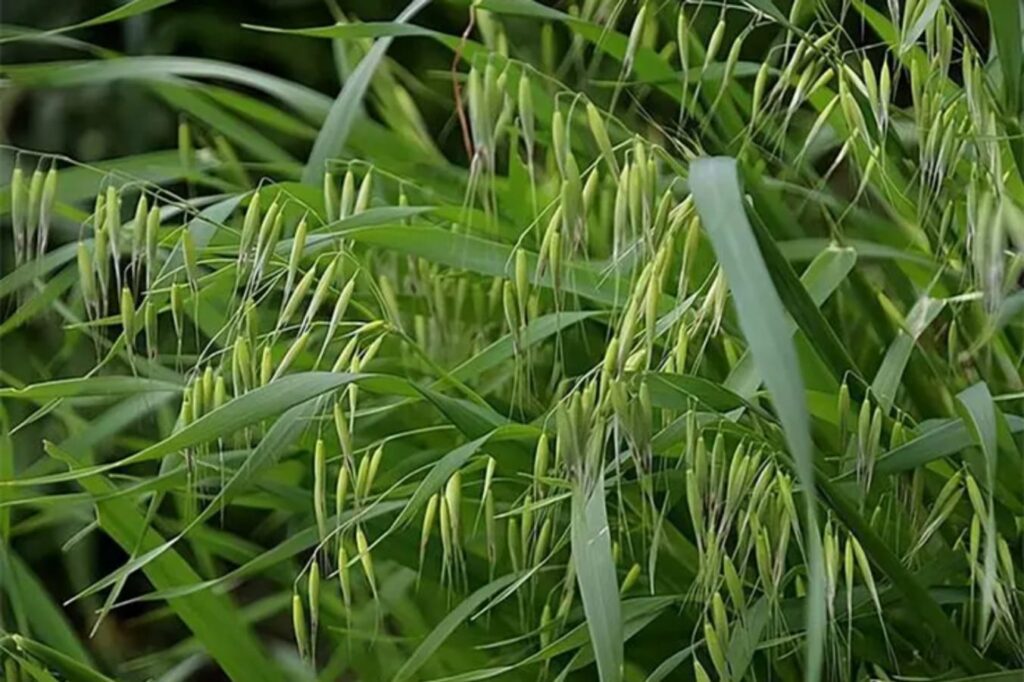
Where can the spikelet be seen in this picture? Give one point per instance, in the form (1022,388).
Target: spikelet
(86,277)
(631,579)
(344,576)
(298,246)
(319,488)
(512,535)
(151,326)
(295,300)
(330,198)
(429,516)
(365,559)
(19,200)
(291,354)
(314,607)
(128,316)
(35,200)
(365,193)
(299,626)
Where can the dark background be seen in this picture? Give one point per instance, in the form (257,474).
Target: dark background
(99,122)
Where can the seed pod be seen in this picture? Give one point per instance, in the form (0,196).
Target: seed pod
(600,133)
(361,475)
(488,475)
(299,626)
(526,119)
(714,43)
(270,219)
(191,259)
(365,559)
(293,352)
(540,549)
(651,300)
(1006,563)
(330,198)
(128,316)
(630,580)
(345,357)
(699,673)
(527,528)
(843,413)
(453,496)
(86,275)
(590,191)
(720,619)
(298,246)
(975,496)
(365,192)
(545,626)
(266,366)
(693,502)
(734,585)
(320,487)
(865,569)
(150,325)
(373,467)
(220,392)
(139,228)
(830,550)
(864,428)
(101,262)
(558,140)
(344,437)
(178,308)
(185,149)
(46,207)
(341,490)
(19,199)
(371,352)
(314,597)
(344,577)
(35,199)
(762,555)
(429,515)
(208,387)
(555,258)
(974,544)
(508,300)
(446,531)
(715,650)
(609,368)
(522,282)
(152,229)
(348,195)
(545,243)
(250,224)
(270,244)
(636,34)
(875,433)
(340,306)
(490,526)
(514,544)
(296,298)
(320,293)
(540,460)
(951,486)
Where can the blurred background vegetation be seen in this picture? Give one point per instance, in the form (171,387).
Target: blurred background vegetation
(91,123)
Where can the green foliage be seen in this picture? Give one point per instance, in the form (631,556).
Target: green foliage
(690,347)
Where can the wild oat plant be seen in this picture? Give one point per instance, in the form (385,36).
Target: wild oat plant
(706,365)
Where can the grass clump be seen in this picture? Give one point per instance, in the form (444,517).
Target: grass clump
(690,350)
